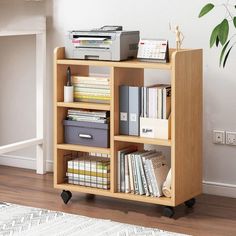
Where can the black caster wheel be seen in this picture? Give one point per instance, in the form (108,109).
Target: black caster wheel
(66,196)
(168,211)
(190,203)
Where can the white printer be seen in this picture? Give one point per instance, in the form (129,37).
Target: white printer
(109,43)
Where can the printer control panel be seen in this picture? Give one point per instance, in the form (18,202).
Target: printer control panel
(110,28)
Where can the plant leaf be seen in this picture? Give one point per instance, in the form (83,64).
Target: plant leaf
(208,7)
(223,52)
(226,56)
(223,31)
(214,35)
(234,20)
(217,41)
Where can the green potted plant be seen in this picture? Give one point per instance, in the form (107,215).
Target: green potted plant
(220,36)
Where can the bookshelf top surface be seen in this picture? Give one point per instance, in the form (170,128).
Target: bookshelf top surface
(133,63)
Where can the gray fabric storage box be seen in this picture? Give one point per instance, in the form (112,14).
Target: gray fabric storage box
(87,133)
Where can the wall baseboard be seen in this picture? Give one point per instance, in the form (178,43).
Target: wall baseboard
(215,188)
(220,189)
(23,162)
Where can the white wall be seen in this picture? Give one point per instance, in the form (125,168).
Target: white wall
(152,18)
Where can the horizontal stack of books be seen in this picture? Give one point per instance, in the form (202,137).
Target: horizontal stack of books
(89,171)
(91,89)
(141,172)
(89,116)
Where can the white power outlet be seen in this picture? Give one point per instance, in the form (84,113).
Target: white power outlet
(230,138)
(219,136)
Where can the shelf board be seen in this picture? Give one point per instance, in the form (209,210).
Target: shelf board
(83,189)
(135,63)
(81,148)
(133,197)
(85,105)
(137,139)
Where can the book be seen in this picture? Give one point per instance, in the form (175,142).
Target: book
(131,178)
(160,169)
(166,102)
(135,177)
(138,173)
(127,182)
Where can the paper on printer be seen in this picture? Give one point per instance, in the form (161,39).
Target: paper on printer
(109,43)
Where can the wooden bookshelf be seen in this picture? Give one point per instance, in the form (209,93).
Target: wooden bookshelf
(185,69)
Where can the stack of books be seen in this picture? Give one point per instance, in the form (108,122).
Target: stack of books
(88,116)
(141,172)
(89,171)
(149,102)
(91,89)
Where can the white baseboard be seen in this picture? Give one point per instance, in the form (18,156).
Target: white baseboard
(23,162)
(221,189)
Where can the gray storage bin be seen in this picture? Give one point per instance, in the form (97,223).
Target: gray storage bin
(87,133)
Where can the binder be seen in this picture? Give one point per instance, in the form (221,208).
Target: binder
(124,109)
(134,110)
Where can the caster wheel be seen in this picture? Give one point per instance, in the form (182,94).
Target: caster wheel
(66,196)
(168,211)
(190,203)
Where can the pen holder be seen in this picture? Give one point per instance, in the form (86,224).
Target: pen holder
(68,94)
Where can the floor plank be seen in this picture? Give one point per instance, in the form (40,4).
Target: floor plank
(212,215)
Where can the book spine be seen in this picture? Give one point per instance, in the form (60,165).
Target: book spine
(147,176)
(127,183)
(143,176)
(118,171)
(136,190)
(122,173)
(151,177)
(131,179)
(154,180)
(139,178)
(160,103)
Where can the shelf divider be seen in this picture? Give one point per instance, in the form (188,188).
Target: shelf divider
(85,105)
(137,139)
(81,148)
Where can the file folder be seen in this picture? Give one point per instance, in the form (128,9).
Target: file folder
(134,110)
(124,109)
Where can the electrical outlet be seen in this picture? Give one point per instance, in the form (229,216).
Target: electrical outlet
(219,136)
(230,138)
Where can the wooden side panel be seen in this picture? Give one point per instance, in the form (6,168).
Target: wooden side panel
(187,124)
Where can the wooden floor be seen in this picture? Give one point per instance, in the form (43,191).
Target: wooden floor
(211,215)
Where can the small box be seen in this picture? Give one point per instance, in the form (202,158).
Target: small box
(155,128)
(87,133)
